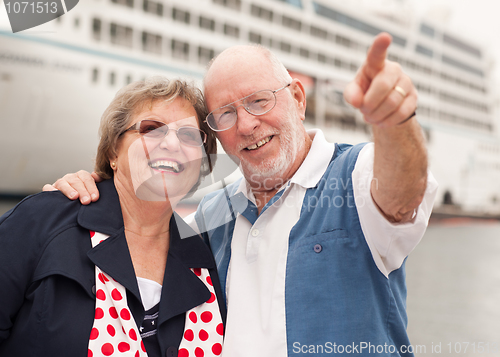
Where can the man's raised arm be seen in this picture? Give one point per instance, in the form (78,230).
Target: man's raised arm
(388,100)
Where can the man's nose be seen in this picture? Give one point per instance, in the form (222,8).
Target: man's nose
(246,123)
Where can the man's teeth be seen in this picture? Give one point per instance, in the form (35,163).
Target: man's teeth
(259,144)
(166,165)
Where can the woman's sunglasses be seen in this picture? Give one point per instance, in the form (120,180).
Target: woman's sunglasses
(157,130)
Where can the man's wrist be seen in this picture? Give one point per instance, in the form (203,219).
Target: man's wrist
(411,116)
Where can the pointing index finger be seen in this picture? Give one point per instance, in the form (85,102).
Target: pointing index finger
(375,58)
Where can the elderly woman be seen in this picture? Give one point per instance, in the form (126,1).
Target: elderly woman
(124,276)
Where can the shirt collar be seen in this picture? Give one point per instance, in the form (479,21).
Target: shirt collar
(309,172)
(245,191)
(316,162)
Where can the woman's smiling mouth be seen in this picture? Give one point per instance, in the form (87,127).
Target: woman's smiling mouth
(167,165)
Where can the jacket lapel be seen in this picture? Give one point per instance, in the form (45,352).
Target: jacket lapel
(182,289)
(111,256)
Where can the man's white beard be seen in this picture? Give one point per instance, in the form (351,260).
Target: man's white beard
(291,143)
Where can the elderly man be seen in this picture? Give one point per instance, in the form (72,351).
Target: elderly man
(311,244)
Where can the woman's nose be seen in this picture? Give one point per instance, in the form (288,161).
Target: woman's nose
(170,141)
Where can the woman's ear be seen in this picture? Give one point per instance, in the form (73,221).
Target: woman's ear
(299,95)
(112,163)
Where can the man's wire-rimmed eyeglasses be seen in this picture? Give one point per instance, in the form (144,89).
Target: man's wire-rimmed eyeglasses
(258,103)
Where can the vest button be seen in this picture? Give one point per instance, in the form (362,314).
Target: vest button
(171,352)
(93,290)
(318,248)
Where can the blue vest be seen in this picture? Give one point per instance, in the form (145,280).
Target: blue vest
(337,300)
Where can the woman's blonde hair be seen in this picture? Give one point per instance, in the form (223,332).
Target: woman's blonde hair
(132,99)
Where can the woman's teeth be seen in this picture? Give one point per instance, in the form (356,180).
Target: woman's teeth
(166,166)
(259,144)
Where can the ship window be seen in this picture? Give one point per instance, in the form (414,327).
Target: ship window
(205,54)
(423,88)
(128,79)
(449,40)
(96,29)
(445,116)
(304,52)
(77,22)
(285,47)
(427,30)
(424,50)
(112,78)
(261,12)
(411,64)
(317,32)
(393,57)
(180,49)
(121,35)
(427,70)
(464,102)
(232,31)
(95,75)
(321,58)
(296,3)
(151,42)
(181,15)
(206,23)
(344,41)
(291,23)
(254,37)
(354,23)
(129,3)
(153,7)
(463,66)
(232,4)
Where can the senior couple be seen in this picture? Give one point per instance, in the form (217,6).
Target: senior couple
(117,276)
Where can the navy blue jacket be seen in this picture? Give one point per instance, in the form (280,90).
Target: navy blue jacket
(47,275)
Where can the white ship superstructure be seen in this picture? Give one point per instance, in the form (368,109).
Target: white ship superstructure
(56,79)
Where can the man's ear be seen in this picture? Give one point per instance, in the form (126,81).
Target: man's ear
(299,95)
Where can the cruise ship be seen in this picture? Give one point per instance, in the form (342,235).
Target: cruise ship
(56,79)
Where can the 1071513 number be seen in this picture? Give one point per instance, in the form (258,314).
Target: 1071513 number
(472,347)
(39,7)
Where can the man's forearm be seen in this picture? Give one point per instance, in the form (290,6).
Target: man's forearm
(399,169)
